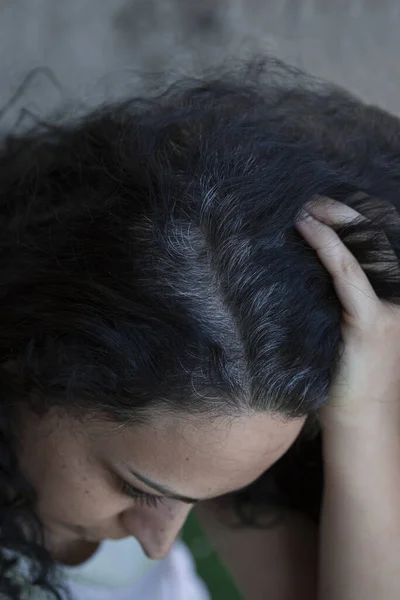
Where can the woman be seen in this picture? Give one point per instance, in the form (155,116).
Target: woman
(168,333)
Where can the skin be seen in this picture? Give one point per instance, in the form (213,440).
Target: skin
(76,466)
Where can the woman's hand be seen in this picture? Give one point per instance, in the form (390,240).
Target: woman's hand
(367,383)
(359,555)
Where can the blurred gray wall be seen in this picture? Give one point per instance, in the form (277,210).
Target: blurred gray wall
(355,43)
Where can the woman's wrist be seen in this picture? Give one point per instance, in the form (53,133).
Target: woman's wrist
(374,419)
(362,447)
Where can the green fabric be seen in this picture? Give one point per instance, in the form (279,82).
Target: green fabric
(209,566)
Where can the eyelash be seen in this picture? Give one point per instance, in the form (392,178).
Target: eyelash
(141,498)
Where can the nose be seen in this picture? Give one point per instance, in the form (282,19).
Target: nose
(156,529)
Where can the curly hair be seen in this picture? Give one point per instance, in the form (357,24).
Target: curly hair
(149,261)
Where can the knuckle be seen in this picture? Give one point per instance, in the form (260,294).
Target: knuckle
(349,265)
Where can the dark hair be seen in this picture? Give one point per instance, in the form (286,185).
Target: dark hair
(149,261)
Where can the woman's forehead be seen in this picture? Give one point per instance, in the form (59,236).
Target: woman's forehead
(198,458)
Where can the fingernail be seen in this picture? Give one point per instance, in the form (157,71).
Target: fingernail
(305,216)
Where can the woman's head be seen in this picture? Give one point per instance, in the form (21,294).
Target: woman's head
(152,279)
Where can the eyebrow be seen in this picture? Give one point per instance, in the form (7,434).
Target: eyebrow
(163,490)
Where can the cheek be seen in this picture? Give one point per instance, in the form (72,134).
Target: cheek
(80,496)
(71,486)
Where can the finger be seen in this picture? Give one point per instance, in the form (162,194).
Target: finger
(352,286)
(331,212)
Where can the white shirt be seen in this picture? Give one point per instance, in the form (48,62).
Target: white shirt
(119,570)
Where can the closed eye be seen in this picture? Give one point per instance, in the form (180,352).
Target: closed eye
(141,498)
